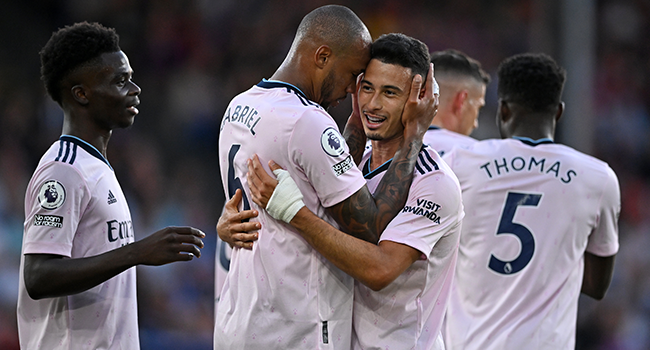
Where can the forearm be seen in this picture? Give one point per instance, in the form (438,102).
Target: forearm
(363,261)
(364,216)
(49,276)
(392,192)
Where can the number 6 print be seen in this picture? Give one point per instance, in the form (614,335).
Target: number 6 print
(234,182)
(507,226)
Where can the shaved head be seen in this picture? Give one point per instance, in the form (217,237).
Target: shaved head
(333,25)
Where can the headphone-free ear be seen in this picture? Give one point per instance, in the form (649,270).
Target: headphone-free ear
(504,111)
(79,94)
(560,111)
(322,56)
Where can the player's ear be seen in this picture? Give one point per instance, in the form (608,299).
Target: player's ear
(79,94)
(503,112)
(459,99)
(322,56)
(560,111)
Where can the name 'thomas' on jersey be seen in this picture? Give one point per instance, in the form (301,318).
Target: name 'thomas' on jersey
(532,209)
(282,294)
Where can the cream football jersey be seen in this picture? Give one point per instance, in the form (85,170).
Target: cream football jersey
(532,210)
(282,294)
(442,140)
(74,207)
(408,313)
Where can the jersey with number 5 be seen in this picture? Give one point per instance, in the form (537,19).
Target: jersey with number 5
(532,209)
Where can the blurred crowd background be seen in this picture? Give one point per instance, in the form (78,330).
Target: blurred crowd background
(191,57)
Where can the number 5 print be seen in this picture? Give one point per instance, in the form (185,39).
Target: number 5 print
(507,226)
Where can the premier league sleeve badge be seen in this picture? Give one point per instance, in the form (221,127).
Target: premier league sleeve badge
(332,142)
(51,195)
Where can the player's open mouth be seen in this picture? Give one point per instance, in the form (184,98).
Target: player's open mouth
(132,108)
(373,120)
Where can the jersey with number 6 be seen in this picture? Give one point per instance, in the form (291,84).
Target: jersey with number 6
(282,294)
(532,209)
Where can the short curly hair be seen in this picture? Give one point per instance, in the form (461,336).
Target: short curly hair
(71,47)
(533,80)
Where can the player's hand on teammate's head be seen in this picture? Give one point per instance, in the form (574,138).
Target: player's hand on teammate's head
(421,106)
(233,226)
(169,245)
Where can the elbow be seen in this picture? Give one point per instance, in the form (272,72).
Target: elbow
(34,288)
(377,279)
(598,294)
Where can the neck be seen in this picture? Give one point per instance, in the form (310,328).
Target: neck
(288,73)
(98,139)
(383,151)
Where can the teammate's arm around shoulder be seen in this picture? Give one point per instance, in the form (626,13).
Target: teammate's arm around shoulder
(365,216)
(376,266)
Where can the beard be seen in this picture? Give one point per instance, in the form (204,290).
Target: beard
(327,90)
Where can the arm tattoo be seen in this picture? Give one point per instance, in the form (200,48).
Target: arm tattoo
(366,217)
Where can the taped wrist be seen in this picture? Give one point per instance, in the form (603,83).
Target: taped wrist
(286,199)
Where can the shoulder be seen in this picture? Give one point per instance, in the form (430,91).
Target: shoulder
(428,161)
(431,168)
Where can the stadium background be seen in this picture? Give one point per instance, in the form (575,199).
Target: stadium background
(191,57)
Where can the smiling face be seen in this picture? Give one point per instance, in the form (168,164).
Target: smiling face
(112,95)
(384,91)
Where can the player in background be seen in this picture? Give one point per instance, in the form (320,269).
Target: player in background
(281,293)
(77,287)
(462,94)
(403,282)
(541,222)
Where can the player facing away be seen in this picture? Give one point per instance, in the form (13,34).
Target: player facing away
(282,294)
(403,282)
(78,286)
(462,94)
(540,225)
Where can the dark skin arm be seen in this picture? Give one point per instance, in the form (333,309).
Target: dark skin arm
(598,275)
(365,216)
(48,275)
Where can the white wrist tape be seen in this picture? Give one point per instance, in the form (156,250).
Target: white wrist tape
(286,199)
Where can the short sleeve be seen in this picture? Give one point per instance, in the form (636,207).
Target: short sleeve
(317,147)
(603,240)
(56,198)
(433,209)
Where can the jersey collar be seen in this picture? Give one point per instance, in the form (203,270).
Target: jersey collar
(369,174)
(270,84)
(531,142)
(86,146)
